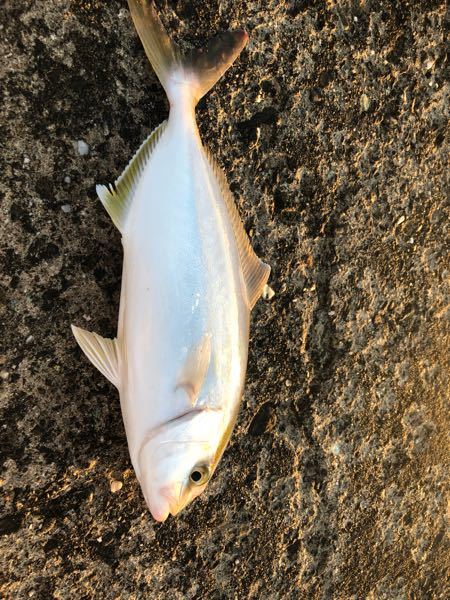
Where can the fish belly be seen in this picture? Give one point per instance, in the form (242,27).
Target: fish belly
(181,279)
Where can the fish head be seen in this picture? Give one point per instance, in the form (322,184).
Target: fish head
(176,462)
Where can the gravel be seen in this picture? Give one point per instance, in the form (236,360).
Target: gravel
(333,130)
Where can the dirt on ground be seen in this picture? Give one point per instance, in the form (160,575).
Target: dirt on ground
(333,130)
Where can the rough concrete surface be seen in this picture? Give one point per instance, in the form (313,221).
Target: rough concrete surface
(332,128)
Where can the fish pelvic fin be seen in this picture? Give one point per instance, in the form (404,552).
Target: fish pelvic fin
(102,352)
(196,72)
(255,272)
(117,198)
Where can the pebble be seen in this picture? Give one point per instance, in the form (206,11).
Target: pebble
(336,449)
(268,293)
(83,148)
(29,339)
(67,179)
(364,102)
(116,486)
(66,208)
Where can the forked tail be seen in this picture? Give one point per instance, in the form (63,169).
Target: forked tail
(194,74)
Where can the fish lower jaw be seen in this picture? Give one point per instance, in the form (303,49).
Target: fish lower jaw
(176,511)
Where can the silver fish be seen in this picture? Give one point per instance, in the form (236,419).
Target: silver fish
(190,279)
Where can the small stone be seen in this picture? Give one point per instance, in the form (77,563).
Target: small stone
(364,102)
(66,208)
(29,339)
(268,293)
(4,375)
(336,449)
(26,160)
(401,220)
(67,179)
(83,148)
(116,486)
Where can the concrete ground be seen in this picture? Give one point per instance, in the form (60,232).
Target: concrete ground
(333,130)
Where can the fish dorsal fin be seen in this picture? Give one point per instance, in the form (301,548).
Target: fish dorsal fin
(195,369)
(102,352)
(254,271)
(117,198)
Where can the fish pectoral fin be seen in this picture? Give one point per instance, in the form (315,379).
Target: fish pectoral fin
(117,198)
(255,272)
(195,369)
(102,352)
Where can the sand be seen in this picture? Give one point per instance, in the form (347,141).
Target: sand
(332,128)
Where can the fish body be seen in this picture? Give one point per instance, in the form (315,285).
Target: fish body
(189,281)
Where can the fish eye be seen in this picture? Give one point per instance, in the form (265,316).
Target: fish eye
(199,475)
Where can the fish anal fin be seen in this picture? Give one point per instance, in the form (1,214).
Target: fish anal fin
(117,198)
(255,272)
(195,369)
(102,352)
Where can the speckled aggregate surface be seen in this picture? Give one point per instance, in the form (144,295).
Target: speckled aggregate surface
(332,128)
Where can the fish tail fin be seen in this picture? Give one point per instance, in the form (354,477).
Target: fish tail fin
(194,74)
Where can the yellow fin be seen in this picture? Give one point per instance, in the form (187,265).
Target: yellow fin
(255,272)
(162,52)
(198,70)
(102,352)
(117,198)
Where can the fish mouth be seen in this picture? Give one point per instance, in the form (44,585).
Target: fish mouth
(173,498)
(170,501)
(163,504)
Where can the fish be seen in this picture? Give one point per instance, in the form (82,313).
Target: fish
(190,279)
